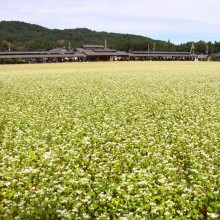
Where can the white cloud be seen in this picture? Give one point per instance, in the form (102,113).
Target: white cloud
(189,18)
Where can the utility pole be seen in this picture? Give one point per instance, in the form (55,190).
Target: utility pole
(9,47)
(69,47)
(192,48)
(207,52)
(154,47)
(105,43)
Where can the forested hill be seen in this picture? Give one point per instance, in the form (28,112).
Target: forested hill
(24,36)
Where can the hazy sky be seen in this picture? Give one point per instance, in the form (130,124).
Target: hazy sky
(178,21)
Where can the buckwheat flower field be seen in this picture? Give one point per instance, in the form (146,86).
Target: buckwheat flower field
(122,140)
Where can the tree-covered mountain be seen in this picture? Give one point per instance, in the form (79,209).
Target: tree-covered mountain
(23,36)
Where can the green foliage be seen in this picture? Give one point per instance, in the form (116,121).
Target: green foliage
(215,57)
(24,36)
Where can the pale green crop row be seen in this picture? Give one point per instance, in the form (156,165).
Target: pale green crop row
(122,140)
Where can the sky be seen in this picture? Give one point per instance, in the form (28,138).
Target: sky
(173,20)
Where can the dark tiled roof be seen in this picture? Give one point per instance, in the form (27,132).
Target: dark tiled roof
(88,46)
(104,50)
(79,49)
(105,53)
(35,52)
(160,52)
(95,50)
(26,56)
(79,54)
(22,52)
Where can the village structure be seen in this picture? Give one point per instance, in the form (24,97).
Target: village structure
(94,53)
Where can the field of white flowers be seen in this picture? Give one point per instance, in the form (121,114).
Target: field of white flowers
(123,140)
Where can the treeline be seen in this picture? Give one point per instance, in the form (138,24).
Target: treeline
(21,36)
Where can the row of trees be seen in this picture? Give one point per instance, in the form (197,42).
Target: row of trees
(22,36)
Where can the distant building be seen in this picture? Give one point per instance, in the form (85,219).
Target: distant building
(89,52)
(100,53)
(161,55)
